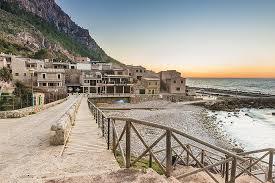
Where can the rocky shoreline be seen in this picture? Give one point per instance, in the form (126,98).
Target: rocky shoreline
(236,103)
(227,93)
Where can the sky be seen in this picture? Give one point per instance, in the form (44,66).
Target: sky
(199,38)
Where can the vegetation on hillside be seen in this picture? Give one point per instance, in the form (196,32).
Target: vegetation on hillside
(5,74)
(13,48)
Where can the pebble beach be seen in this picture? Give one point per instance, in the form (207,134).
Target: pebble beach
(190,119)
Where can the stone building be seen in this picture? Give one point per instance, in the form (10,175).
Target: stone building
(57,65)
(137,72)
(172,82)
(147,86)
(98,83)
(82,59)
(51,80)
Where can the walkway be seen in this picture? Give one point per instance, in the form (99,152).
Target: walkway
(26,155)
(87,143)
(24,143)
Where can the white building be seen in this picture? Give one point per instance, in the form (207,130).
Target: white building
(85,66)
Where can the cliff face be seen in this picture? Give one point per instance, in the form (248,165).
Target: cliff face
(49,11)
(42,24)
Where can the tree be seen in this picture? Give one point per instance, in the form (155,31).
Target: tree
(5,75)
(42,54)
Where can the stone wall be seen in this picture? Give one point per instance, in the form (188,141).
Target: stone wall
(28,110)
(60,130)
(177,98)
(143,98)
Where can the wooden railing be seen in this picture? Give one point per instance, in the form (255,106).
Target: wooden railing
(169,147)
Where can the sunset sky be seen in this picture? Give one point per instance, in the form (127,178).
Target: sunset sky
(200,38)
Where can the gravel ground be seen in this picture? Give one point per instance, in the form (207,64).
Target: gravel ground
(190,119)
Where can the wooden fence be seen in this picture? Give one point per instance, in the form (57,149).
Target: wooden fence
(179,148)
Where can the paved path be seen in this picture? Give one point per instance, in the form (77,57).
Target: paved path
(24,140)
(26,155)
(86,141)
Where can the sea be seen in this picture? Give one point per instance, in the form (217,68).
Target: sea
(266,86)
(250,129)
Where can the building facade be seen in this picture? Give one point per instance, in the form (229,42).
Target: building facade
(51,79)
(147,86)
(172,82)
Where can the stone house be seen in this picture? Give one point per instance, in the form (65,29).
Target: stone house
(172,82)
(51,80)
(25,69)
(147,86)
(57,65)
(82,59)
(137,72)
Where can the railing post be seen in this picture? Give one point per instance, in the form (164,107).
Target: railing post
(128,144)
(96,115)
(226,171)
(102,123)
(187,155)
(233,170)
(150,160)
(108,133)
(270,166)
(114,139)
(168,154)
(202,157)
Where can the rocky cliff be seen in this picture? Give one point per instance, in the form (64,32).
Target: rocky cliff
(53,15)
(49,11)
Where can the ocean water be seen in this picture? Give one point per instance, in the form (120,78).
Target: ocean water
(250,128)
(266,86)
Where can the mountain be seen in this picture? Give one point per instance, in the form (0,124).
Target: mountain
(29,26)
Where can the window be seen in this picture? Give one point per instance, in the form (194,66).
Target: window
(86,81)
(35,74)
(140,71)
(136,70)
(181,82)
(58,76)
(44,84)
(119,73)
(178,89)
(175,81)
(156,83)
(25,74)
(16,74)
(149,83)
(44,76)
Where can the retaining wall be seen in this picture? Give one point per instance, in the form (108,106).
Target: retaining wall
(28,110)
(60,130)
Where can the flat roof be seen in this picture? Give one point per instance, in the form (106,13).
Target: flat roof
(155,79)
(51,70)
